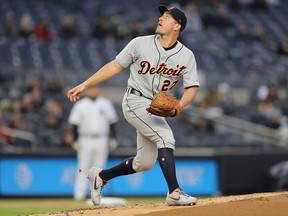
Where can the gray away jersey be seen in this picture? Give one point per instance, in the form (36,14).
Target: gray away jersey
(152,68)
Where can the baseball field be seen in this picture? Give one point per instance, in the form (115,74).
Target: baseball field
(259,204)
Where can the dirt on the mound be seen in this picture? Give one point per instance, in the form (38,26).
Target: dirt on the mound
(261,204)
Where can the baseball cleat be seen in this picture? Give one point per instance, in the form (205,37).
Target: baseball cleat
(179,198)
(96,185)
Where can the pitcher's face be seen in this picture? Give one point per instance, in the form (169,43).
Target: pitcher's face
(167,24)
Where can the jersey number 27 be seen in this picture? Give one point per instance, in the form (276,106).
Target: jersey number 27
(167,85)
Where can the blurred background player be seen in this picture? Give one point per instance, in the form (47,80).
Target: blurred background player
(93,121)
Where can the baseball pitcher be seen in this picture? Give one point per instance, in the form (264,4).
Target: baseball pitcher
(157,63)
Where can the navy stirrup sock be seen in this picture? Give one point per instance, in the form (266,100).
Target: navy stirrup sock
(123,168)
(167,164)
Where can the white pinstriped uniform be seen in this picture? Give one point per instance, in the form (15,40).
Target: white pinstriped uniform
(93,118)
(152,68)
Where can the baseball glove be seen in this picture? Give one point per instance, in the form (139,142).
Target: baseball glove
(164,105)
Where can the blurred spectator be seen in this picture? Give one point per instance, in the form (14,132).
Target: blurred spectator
(217,102)
(208,99)
(10,29)
(194,23)
(34,82)
(34,93)
(268,111)
(68,30)
(269,93)
(243,33)
(25,26)
(27,104)
(224,98)
(121,28)
(221,19)
(283,47)
(37,99)
(273,94)
(32,113)
(204,125)
(201,124)
(42,30)
(102,29)
(209,103)
(135,29)
(54,89)
(17,122)
(259,33)
(268,114)
(53,114)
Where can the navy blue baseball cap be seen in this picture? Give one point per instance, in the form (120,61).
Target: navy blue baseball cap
(177,14)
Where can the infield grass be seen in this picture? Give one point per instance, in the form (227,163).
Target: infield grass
(27,206)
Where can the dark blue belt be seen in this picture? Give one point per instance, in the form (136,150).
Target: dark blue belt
(134,91)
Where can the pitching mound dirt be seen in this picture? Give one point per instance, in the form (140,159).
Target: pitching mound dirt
(262,204)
